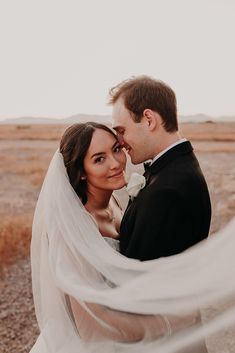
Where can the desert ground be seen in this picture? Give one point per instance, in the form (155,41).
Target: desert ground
(25,153)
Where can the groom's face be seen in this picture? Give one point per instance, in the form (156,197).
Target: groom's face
(132,136)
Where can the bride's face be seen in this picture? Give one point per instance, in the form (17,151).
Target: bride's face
(105,162)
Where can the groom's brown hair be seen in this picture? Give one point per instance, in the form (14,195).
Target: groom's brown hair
(143,92)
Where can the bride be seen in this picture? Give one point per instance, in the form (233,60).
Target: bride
(90,298)
(95,163)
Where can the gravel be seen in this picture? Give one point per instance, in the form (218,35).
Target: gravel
(18,326)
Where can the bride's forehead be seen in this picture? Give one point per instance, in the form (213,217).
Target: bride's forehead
(102,138)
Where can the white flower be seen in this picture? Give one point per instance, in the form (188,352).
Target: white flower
(135,184)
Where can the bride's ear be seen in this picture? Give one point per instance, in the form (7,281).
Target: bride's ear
(82,175)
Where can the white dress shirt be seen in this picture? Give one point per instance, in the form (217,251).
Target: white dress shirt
(167,149)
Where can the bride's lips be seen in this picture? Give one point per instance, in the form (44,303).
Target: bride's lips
(117,175)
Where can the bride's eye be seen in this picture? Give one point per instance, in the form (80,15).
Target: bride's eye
(99,160)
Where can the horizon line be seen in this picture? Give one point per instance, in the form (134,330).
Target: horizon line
(30,116)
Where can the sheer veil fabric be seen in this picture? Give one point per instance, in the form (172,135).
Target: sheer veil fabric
(123,305)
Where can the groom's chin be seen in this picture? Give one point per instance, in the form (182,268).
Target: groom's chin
(135,161)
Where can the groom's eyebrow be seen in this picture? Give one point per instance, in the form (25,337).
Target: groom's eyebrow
(119,129)
(100,153)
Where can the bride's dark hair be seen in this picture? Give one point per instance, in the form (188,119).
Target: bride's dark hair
(74,145)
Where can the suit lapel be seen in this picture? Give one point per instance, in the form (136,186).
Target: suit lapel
(175,152)
(150,171)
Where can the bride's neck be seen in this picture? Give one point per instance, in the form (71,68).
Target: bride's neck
(98,200)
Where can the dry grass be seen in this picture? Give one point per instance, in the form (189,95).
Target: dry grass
(25,152)
(15,235)
(33,167)
(214,146)
(208,131)
(31,132)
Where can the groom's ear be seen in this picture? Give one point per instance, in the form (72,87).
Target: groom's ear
(152,119)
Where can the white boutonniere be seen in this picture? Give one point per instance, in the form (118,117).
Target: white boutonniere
(135,184)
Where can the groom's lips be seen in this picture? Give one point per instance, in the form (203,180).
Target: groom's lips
(127,148)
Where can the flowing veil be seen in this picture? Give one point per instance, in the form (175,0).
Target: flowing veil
(90,298)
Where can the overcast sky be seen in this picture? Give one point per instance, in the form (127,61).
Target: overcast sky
(60,57)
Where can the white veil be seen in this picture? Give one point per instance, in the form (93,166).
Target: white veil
(172,304)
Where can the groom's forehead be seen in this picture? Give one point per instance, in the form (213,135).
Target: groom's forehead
(120,113)
(121,121)
(118,126)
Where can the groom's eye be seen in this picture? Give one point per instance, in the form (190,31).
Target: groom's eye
(120,131)
(117,149)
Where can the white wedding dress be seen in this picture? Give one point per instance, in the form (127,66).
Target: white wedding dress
(127,305)
(114,243)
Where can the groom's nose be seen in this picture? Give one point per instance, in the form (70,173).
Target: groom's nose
(121,139)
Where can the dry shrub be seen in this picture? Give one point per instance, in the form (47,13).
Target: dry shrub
(15,236)
(20,127)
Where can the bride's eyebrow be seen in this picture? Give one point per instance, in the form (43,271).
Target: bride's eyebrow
(116,143)
(97,154)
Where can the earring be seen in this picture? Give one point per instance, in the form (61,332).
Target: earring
(83,178)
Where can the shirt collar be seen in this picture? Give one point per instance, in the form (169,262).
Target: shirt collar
(167,149)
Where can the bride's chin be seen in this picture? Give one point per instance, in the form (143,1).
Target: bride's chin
(119,185)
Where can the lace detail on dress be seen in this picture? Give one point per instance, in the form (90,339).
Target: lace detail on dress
(114,243)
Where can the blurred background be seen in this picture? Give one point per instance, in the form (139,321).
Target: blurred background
(59,58)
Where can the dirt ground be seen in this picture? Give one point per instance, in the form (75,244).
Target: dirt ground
(24,158)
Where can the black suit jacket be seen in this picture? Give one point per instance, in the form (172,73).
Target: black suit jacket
(172,212)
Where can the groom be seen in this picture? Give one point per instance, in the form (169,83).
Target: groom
(173,211)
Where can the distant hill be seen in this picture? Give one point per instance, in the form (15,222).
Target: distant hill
(78,118)
(196,118)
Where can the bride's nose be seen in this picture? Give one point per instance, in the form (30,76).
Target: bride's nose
(114,163)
